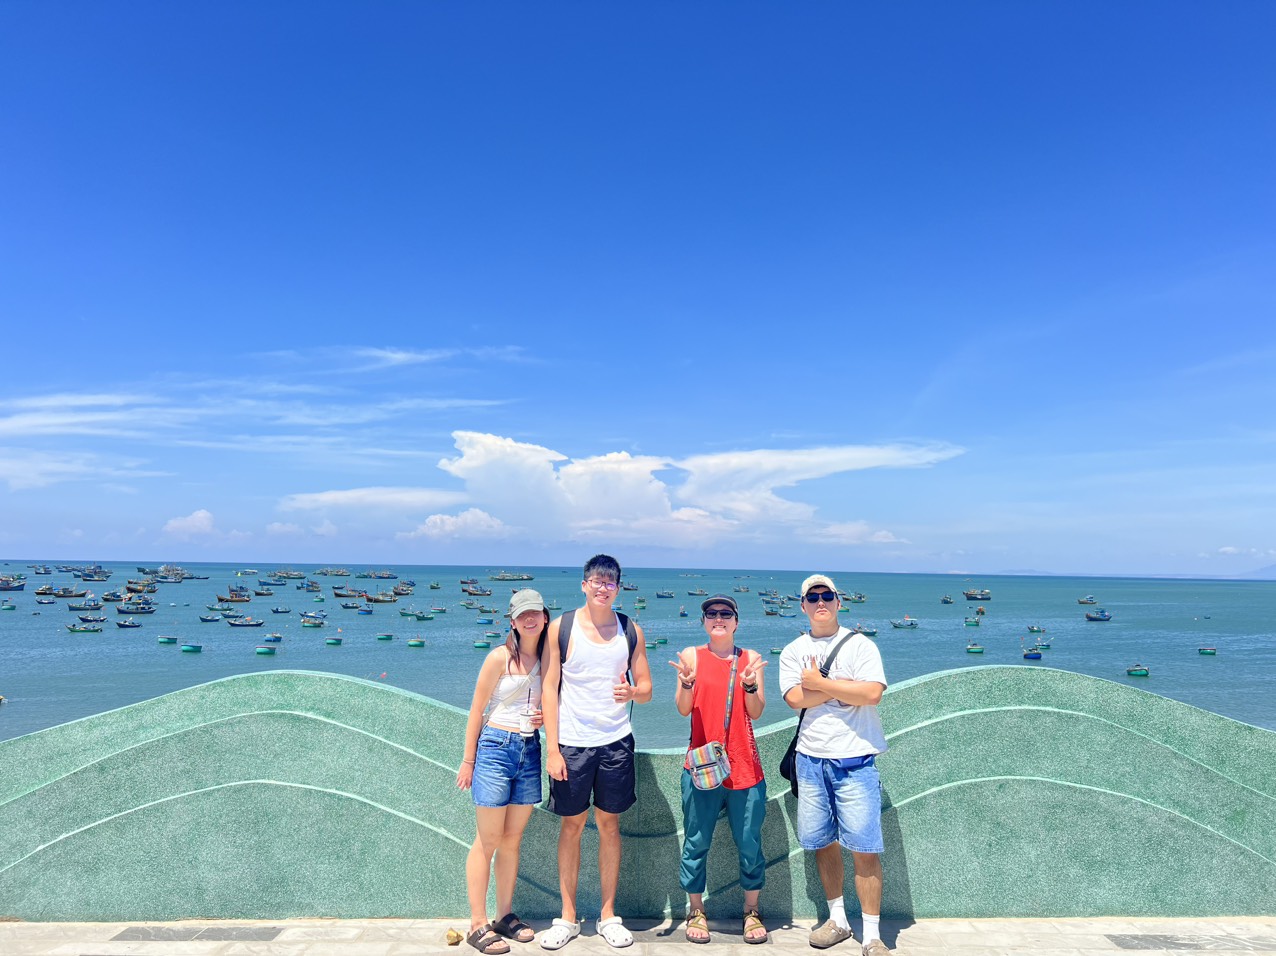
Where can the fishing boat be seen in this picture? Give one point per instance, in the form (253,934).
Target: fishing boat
(332,641)
(482,644)
(84,628)
(484,620)
(946,599)
(664,594)
(1099,615)
(1031,654)
(1036,629)
(1042,645)
(424,616)
(682,612)
(1137,670)
(741,589)
(416,642)
(46,600)
(365,610)
(973,648)
(1208,651)
(192,648)
(439,609)
(776,650)
(435,585)
(972,622)
(281,610)
(266,649)
(385,637)
(978,594)
(273,638)
(164,639)
(698,592)
(246,622)
(92,618)
(509,576)
(313,622)
(1088,599)
(907,622)
(210,618)
(127,622)
(408,612)
(865,629)
(858,598)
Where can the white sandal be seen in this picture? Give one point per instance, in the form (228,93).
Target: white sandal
(559,934)
(613,930)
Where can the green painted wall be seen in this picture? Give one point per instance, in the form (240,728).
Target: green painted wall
(1008,791)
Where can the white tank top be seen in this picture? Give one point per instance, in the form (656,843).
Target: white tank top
(504,705)
(587,715)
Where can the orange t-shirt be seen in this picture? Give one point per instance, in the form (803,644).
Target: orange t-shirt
(708,704)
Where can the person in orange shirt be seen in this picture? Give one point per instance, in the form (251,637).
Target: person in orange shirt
(712,679)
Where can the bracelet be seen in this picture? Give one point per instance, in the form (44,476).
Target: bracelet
(467,761)
(749,688)
(685,685)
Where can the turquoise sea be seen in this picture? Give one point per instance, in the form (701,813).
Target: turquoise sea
(50,675)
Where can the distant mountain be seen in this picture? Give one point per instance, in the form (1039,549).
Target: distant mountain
(1262,574)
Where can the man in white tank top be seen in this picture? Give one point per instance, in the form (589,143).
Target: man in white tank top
(589,744)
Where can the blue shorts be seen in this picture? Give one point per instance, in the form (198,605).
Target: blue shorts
(507,769)
(838,805)
(604,773)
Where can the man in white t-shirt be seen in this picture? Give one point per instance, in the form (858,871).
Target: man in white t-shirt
(839,794)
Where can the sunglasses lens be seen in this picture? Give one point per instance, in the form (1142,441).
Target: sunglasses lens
(827,596)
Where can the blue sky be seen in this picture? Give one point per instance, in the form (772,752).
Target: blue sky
(871,286)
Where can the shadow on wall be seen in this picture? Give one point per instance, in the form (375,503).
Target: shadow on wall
(1009,791)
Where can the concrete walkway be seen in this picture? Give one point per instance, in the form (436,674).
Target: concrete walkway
(933,937)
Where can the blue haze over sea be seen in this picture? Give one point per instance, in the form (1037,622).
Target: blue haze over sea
(50,675)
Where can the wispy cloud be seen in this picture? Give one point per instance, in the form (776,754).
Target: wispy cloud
(394,499)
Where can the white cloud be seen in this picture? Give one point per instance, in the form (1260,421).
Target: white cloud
(325,529)
(282,528)
(196,524)
(471,523)
(400,499)
(857,532)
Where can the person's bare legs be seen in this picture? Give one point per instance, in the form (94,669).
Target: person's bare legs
(569,834)
(828,861)
(868,881)
(608,859)
(478,862)
(516,818)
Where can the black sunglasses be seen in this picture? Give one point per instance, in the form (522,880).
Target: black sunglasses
(719,615)
(815,597)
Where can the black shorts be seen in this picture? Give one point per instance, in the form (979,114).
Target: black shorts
(606,773)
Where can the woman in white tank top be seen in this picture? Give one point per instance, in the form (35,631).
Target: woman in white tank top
(502,769)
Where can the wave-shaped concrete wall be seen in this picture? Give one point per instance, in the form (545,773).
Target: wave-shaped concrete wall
(1008,791)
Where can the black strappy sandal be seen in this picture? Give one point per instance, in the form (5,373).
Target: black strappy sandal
(487,942)
(511,927)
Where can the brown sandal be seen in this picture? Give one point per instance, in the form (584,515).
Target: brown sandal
(485,940)
(511,927)
(696,920)
(753,923)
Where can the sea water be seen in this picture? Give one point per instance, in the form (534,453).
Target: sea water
(50,675)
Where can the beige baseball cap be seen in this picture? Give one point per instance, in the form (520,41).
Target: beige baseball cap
(820,580)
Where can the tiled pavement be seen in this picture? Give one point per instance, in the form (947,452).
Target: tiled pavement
(933,937)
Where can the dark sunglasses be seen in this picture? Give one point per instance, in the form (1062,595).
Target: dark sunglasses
(719,615)
(815,597)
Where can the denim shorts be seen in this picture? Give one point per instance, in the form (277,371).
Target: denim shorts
(507,769)
(838,805)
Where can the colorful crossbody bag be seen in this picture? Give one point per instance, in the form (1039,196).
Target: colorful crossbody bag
(708,764)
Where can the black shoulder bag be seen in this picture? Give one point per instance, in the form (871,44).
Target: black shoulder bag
(788,763)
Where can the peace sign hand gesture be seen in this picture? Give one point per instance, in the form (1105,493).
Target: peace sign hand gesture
(752,672)
(686,669)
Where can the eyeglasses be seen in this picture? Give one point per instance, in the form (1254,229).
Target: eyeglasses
(815,597)
(716,615)
(603,585)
